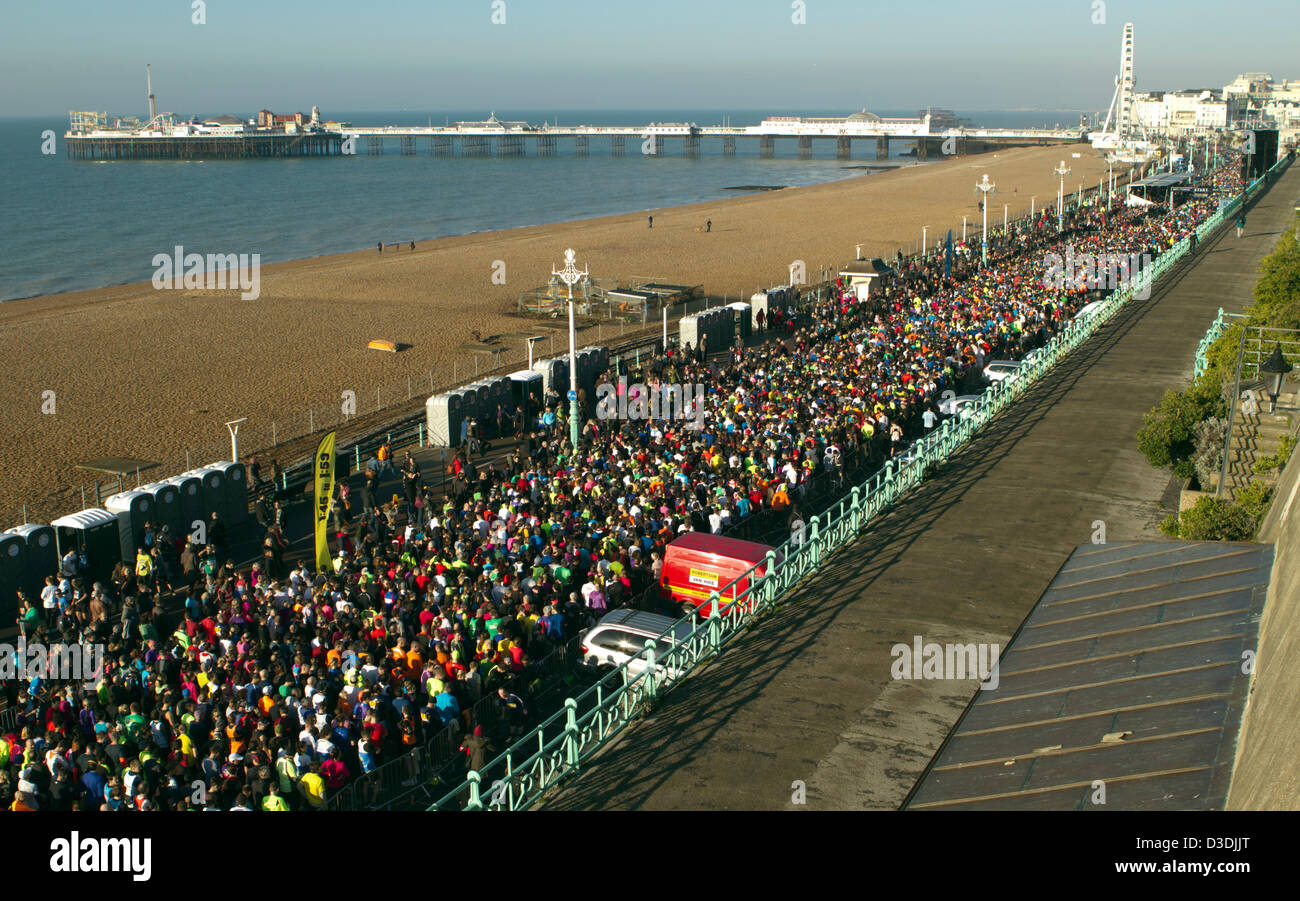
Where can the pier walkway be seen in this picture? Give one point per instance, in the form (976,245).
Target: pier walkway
(805,700)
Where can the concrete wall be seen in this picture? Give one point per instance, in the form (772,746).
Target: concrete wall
(1267,771)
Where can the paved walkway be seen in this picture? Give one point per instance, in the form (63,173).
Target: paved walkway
(806,696)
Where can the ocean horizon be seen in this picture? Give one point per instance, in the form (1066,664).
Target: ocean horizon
(76,224)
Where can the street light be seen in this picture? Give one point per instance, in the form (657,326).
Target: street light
(1276,367)
(985,187)
(1061,170)
(923,229)
(570,275)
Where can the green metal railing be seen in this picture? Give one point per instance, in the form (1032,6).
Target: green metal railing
(558,746)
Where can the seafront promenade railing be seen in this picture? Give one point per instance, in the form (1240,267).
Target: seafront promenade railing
(557,747)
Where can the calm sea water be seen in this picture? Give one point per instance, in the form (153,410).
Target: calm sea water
(71,224)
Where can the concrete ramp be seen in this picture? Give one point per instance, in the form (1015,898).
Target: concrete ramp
(1123,689)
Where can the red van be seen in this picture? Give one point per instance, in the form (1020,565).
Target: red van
(698,563)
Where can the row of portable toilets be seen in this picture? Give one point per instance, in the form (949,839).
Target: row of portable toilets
(110,534)
(718,325)
(445,413)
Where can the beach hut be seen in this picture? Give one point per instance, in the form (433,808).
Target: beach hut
(236,490)
(94,533)
(133,509)
(166,506)
(443,415)
(189,491)
(40,554)
(13,575)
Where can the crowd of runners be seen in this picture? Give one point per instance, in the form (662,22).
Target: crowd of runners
(273,686)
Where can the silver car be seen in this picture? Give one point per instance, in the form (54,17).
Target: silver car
(620,636)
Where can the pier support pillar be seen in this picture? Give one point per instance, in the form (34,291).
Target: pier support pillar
(882,148)
(844,148)
(766,147)
(617,145)
(805,147)
(922,149)
(546,145)
(475,145)
(442,146)
(408,145)
(582,145)
(375,146)
(729,146)
(510,145)
(691,146)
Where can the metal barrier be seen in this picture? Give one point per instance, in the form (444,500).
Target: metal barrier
(558,746)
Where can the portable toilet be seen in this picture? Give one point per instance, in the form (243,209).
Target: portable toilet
(96,533)
(41,554)
(690,331)
(212,492)
(237,490)
(13,575)
(189,490)
(742,319)
(757,304)
(602,359)
(443,415)
(555,374)
(166,506)
(500,394)
(133,509)
(526,392)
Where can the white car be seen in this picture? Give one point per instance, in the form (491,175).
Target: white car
(958,406)
(621,635)
(998,370)
(1089,310)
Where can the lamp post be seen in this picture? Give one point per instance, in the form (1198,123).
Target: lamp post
(1032,210)
(570,275)
(1061,170)
(923,230)
(963,229)
(233,427)
(1275,367)
(985,187)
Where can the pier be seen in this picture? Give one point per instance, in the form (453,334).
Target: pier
(496,137)
(240,146)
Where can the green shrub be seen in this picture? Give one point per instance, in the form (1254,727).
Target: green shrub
(1215,519)
(1278,460)
(1168,434)
(1212,519)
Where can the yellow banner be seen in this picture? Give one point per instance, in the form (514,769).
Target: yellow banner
(324,476)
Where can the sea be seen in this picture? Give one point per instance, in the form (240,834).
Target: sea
(74,224)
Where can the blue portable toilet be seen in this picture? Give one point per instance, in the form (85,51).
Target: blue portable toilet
(236,482)
(213,492)
(133,509)
(96,533)
(13,575)
(40,554)
(166,506)
(189,490)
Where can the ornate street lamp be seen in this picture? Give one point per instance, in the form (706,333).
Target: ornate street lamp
(1061,170)
(570,275)
(1275,368)
(985,187)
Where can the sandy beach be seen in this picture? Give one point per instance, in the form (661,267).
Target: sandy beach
(148,373)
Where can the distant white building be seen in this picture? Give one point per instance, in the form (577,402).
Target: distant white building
(1178,112)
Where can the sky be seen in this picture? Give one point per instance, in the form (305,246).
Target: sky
(431,55)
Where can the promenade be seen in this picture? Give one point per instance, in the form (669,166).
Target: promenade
(806,697)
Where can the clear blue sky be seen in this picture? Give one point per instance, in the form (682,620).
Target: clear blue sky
(434,55)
